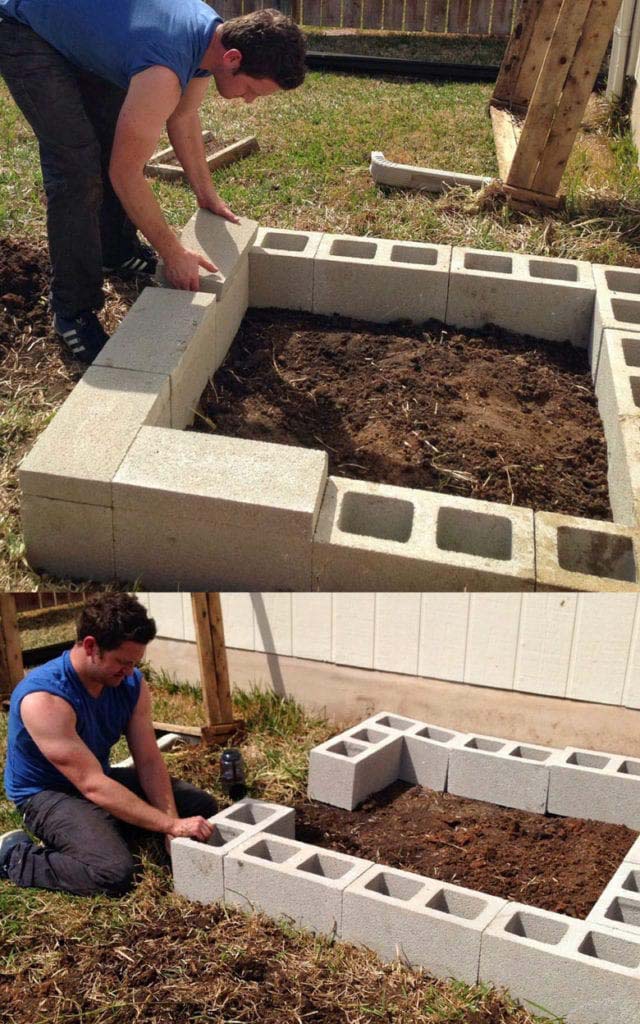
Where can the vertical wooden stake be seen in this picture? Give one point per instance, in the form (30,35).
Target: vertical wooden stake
(214,670)
(11,666)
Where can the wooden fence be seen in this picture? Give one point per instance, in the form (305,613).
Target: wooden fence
(26,602)
(456,17)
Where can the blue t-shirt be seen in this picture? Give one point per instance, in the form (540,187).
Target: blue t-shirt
(116,39)
(100,722)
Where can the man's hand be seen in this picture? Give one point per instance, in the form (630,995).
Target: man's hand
(181,268)
(215,204)
(192,828)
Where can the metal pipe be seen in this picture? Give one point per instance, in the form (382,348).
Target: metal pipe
(620,49)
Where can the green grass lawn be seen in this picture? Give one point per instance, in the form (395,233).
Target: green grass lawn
(312,172)
(154,957)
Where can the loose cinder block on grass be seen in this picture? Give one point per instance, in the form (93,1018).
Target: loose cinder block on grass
(421,921)
(68,539)
(617,306)
(347,769)
(281,265)
(619,905)
(618,392)
(380,280)
(546,298)
(429,179)
(595,785)
(380,537)
(585,554)
(77,455)
(220,509)
(287,879)
(500,771)
(588,974)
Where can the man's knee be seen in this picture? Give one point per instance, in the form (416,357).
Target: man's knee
(114,878)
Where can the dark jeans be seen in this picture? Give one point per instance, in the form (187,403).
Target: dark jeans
(85,849)
(73,114)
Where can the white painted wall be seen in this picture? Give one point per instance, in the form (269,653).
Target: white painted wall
(578,646)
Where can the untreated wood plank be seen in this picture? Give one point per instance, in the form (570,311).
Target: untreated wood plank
(458,17)
(547,92)
(372,16)
(506,130)
(214,672)
(414,11)
(393,15)
(597,31)
(479,17)
(352,13)
(436,19)
(11,667)
(526,199)
(310,12)
(502,17)
(181,730)
(526,52)
(330,14)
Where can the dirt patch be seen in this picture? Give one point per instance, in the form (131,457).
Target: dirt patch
(559,864)
(483,414)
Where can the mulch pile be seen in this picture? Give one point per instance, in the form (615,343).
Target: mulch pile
(484,414)
(558,864)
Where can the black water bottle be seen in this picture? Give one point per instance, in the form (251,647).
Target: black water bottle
(232,774)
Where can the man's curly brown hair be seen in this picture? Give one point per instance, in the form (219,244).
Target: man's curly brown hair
(272,46)
(113,619)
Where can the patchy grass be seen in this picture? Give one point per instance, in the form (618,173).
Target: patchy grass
(156,958)
(312,173)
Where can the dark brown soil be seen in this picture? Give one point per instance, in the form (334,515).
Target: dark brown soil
(559,864)
(485,414)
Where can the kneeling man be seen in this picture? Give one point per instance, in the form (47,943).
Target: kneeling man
(64,718)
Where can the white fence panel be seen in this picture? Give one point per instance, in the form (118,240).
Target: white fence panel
(353,629)
(397,633)
(545,643)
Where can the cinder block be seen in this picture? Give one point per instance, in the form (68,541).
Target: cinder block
(572,969)
(347,769)
(633,856)
(546,298)
(589,784)
(219,509)
(222,242)
(281,265)
(379,537)
(421,921)
(230,311)
(381,280)
(618,392)
(617,306)
(288,879)
(585,554)
(425,756)
(76,457)
(428,179)
(198,868)
(619,905)
(500,771)
(258,816)
(67,539)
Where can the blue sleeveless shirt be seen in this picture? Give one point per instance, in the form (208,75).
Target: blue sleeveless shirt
(116,39)
(100,722)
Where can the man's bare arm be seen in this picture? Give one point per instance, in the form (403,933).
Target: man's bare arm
(150,766)
(185,135)
(152,97)
(51,723)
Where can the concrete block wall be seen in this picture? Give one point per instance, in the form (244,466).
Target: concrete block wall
(353,765)
(618,392)
(617,306)
(367,535)
(619,904)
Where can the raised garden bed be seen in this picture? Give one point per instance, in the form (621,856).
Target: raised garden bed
(483,414)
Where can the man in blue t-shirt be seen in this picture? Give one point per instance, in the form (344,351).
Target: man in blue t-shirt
(64,717)
(98,83)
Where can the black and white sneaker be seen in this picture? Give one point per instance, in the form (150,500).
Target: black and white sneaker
(83,335)
(142,262)
(7,843)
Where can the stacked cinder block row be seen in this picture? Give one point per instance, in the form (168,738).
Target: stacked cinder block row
(348,768)
(199,868)
(617,307)
(113,468)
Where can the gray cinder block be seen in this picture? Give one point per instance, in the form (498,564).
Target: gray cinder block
(547,298)
(633,855)
(259,816)
(500,771)
(588,974)
(288,879)
(347,769)
(198,868)
(617,306)
(222,242)
(425,755)
(68,539)
(619,905)
(618,393)
(585,554)
(281,266)
(380,280)
(421,921)
(590,784)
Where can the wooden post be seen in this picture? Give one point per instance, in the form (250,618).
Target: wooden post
(214,670)
(11,667)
